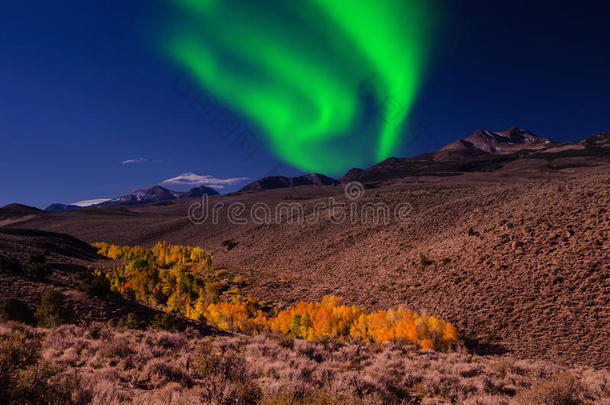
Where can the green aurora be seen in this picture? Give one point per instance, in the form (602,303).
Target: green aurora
(315,76)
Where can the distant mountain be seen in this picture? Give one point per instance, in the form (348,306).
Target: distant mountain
(57,207)
(197,192)
(507,141)
(351,174)
(150,195)
(17,210)
(483,150)
(599,142)
(273,182)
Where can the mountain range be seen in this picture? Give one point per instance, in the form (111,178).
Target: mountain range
(482,150)
(273,182)
(155,194)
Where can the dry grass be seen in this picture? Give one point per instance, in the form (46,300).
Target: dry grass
(107,365)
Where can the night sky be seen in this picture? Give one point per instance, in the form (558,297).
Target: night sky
(90,107)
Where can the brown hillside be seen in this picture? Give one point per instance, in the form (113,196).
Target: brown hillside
(518,259)
(65,256)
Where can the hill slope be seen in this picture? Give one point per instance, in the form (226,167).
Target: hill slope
(17,210)
(518,259)
(64,256)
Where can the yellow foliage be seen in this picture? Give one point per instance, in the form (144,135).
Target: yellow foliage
(180,278)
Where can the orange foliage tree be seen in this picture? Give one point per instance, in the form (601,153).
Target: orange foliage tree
(182,279)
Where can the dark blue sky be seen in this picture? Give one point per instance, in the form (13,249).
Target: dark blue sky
(84,88)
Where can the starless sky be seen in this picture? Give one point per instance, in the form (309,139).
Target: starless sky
(89,108)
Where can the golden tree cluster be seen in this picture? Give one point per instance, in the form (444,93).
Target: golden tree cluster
(182,280)
(331,319)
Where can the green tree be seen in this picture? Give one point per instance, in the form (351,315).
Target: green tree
(53,310)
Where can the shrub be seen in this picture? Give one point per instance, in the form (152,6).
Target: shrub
(424,261)
(93,283)
(9,264)
(229,244)
(132,321)
(117,348)
(12,309)
(312,398)
(213,289)
(239,281)
(25,378)
(169,322)
(99,330)
(53,310)
(230,365)
(562,389)
(169,340)
(167,372)
(37,266)
(225,375)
